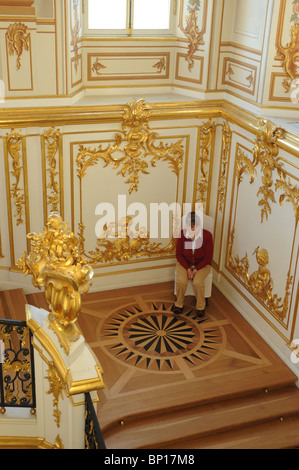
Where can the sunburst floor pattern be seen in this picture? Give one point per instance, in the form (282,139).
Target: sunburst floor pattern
(155,339)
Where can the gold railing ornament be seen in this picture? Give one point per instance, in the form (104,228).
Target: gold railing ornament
(56,264)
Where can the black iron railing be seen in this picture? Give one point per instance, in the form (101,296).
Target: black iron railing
(17,379)
(93,433)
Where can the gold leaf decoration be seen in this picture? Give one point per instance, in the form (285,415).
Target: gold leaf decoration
(135,143)
(18,39)
(56,388)
(226,145)
(97,66)
(125,246)
(75,32)
(191,31)
(289,56)
(265,152)
(207,133)
(14,142)
(52,143)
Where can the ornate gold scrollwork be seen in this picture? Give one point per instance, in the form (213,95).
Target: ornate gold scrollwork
(207,133)
(125,247)
(18,39)
(139,145)
(56,265)
(75,30)
(97,66)
(56,388)
(226,144)
(289,55)
(52,139)
(260,282)
(195,37)
(265,152)
(14,142)
(160,65)
(136,142)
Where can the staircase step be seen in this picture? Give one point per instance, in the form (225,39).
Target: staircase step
(193,424)
(12,304)
(274,434)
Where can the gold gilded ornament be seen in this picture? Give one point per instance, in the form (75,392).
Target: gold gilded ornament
(17,39)
(265,152)
(195,37)
(56,387)
(289,56)
(56,264)
(127,244)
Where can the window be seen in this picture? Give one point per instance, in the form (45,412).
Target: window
(129,17)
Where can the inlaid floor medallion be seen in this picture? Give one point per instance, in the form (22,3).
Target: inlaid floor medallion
(155,339)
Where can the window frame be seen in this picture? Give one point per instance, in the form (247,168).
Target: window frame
(130,32)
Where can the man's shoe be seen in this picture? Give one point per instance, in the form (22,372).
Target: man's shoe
(200,313)
(177,310)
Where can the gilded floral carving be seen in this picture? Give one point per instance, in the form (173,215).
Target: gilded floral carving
(135,143)
(75,33)
(265,152)
(192,32)
(14,142)
(52,139)
(18,39)
(56,388)
(289,54)
(207,134)
(260,283)
(226,145)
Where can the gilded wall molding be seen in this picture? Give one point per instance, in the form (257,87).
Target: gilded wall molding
(75,33)
(52,166)
(288,54)
(265,152)
(18,39)
(191,30)
(14,144)
(56,388)
(136,143)
(260,282)
(207,137)
(124,248)
(225,153)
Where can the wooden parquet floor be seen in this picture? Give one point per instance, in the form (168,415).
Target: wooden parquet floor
(159,364)
(182,382)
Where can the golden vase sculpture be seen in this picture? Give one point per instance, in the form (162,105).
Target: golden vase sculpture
(56,265)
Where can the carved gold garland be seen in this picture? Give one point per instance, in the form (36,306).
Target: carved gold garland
(135,142)
(226,145)
(56,388)
(289,54)
(124,247)
(207,134)
(260,283)
(265,152)
(18,39)
(14,142)
(52,140)
(191,31)
(75,30)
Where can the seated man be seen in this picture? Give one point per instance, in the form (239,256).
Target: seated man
(194,253)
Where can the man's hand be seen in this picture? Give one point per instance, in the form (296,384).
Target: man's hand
(191,274)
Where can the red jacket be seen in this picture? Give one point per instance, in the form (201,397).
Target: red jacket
(202,255)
